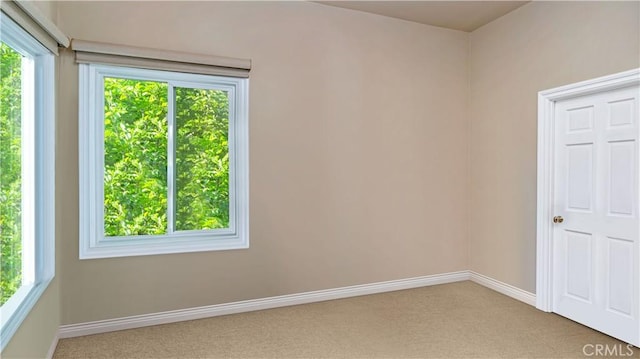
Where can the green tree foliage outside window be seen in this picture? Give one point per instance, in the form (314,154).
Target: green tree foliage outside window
(136,160)
(202,159)
(10,172)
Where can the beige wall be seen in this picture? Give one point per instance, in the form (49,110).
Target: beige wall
(358,153)
(539,46)
(39,329)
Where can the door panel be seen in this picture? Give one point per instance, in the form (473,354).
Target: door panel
(621,112)
(622,164)
(579,175)
(596,273)
(619,293)
(580,119)
(578,265)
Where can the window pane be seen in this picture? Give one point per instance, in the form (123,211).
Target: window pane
(202,159)
(10,172)
(135,163)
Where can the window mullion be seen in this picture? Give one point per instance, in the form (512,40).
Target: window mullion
(171,160)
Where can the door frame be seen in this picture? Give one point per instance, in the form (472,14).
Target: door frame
(546,117)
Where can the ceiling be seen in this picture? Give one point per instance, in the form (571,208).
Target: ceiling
(457,15)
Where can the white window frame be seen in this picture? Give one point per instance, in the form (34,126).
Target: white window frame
(38,162)
(93,243)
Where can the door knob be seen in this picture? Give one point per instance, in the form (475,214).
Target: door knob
(558,219)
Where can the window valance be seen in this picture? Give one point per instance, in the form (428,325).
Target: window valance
(157,59)
(31,19)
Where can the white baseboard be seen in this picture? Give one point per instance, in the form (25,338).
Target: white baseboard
(53,346)
(138,321)
(504,288)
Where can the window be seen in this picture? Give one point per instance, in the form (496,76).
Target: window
(163,162)
(27,175)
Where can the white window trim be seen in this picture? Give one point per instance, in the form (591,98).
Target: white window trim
(16,309)
(93,243)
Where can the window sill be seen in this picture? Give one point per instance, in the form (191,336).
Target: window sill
(18,307)
(166,244)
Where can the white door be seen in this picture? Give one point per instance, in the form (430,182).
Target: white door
(595,270)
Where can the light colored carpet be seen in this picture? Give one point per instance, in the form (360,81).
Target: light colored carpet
(458,320)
